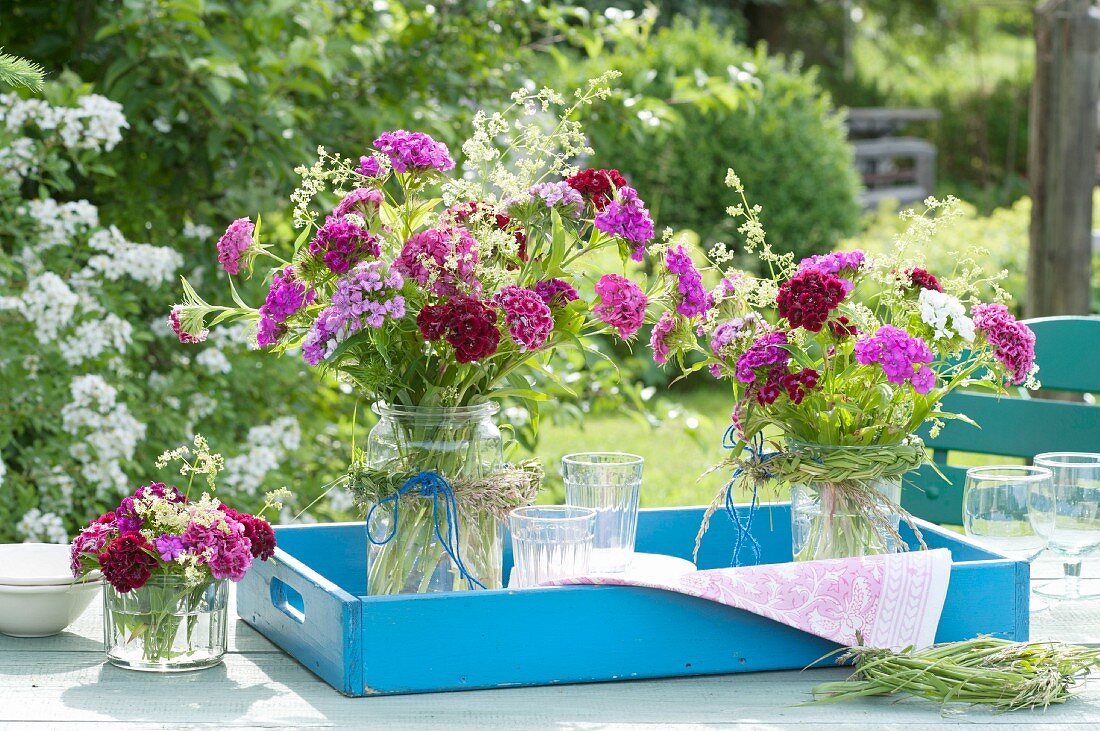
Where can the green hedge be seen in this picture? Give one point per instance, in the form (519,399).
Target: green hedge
(695,102)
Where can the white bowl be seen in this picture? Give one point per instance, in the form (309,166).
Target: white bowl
(36,564)
(41,611)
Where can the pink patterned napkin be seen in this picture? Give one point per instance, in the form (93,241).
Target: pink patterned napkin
(892,600)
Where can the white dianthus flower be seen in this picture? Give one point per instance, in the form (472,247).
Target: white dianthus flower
(946,315)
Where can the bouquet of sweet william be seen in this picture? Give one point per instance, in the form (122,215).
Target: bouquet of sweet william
(835,362)
(160,531)
(425,289)
(166,557)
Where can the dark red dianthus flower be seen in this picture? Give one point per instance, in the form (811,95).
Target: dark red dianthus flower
(807,298)
(921,279)
(260,534)
(471,329)
(432,321)
(598,186)
(842,327)
(128,562)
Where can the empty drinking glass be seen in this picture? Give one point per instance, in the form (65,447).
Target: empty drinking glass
(610,483)
(1076,479)
(550,542)
(1009,510)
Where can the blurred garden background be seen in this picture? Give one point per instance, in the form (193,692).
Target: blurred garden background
(163,120)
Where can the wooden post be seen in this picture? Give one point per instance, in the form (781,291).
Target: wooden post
(1062,156)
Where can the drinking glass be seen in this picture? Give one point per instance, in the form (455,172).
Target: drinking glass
(610,483)
(550,542)
(1009,510)
(1076,478)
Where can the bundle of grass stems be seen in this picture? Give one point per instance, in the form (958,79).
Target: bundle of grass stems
(984,671)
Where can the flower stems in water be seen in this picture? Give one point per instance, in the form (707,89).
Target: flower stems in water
(988,671)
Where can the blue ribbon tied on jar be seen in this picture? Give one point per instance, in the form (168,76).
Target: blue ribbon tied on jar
(756,457)
(434,486)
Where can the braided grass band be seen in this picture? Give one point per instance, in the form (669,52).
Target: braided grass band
(851,473)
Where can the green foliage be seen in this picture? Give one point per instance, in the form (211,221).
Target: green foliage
(999,240)
(693,103)
(982,136)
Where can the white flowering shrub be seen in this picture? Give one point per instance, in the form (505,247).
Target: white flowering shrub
(92,383)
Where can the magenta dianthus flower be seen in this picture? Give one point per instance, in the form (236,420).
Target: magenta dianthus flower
(1013,342)
(834,263)
(226,551)
(369,166)
(442,256)
(556,292)
(899,354)
(365,201)
(88,544)
(234,243)
(177,327)
(626,217)
(622,304)
(286,297)
(658,339)
(528,318)
(694,299)
(414,151)
(342,243)
(767,351)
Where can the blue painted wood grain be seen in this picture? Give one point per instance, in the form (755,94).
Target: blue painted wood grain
(311,603)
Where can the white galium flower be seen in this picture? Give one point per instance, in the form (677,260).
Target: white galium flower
(946,315)
(214,361)
(92,338)
(38,527)
(60,223)
(49,304)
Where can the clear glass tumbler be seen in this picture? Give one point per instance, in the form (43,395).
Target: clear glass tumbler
(610,483)
(1009,509)
(550,542)
(1076,477)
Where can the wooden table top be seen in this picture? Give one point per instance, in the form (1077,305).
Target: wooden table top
(64,682)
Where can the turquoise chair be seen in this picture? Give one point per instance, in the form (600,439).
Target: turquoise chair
(1067,350)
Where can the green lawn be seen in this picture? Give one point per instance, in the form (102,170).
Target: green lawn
(677,452)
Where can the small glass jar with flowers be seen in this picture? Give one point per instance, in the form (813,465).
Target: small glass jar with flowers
(835,363)
(166,559)
(435,296)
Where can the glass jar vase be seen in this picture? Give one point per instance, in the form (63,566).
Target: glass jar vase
(460,444)
(167,625)
(842,519)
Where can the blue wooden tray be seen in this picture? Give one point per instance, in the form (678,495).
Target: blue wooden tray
(310,602)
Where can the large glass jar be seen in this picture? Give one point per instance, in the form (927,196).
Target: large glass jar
(167,625)
(848,518)
(460,444)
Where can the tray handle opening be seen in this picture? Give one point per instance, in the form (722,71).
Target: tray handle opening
(288,600)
